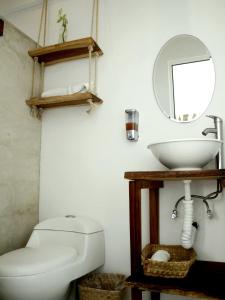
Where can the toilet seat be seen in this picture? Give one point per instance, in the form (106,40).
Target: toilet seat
(32,261)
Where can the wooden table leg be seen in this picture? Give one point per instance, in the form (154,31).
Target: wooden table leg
(1,27)
(154,215)
(155,296)
(135,234)
(135,227)
(154,224)
(136,294)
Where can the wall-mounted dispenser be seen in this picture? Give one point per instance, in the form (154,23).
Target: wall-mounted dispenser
(132,119)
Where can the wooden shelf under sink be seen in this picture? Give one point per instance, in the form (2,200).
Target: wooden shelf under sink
(205,280)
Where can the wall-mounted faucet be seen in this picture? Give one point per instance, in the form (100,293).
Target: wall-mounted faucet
(218,131)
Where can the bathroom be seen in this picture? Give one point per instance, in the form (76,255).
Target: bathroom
(83,156)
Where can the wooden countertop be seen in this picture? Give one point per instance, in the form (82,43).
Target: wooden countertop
(176,175)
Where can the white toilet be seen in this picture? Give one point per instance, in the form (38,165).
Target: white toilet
(58,251)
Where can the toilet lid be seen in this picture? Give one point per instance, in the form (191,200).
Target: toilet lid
(31,261)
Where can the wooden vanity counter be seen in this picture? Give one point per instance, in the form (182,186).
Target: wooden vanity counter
(176,175)
(206,280)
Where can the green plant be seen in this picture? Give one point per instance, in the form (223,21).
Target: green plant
(62,18)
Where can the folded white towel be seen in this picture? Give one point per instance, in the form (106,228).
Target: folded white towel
(161,255)
(71,89)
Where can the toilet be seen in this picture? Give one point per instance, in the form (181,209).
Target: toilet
(59,251)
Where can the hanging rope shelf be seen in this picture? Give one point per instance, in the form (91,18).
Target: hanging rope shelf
(76,49)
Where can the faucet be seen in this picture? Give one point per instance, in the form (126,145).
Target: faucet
(218,131)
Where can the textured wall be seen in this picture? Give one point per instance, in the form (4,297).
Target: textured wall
(19,142)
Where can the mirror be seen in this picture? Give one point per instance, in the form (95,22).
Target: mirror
(183,78)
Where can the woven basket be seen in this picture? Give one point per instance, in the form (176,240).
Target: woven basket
(101,286)
(177,267)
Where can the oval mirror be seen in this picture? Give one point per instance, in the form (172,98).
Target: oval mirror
(183,78)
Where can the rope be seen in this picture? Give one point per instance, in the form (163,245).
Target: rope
(92,18)
(90,49)
(44,12)
(36,112)
(42,76)
(96,20)
(95,73)
(94,25)
(92,107)
(96,33)
(43,22)
(33,77)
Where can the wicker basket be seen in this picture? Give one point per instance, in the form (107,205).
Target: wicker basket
(177,267)
(101,286)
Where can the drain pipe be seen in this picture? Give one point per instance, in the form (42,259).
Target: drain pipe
(189,228)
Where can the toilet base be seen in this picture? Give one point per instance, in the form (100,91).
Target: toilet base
(34,287)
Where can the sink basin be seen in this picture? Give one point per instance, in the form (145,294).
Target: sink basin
(185,154)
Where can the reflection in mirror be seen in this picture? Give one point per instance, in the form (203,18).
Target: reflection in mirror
(183,78)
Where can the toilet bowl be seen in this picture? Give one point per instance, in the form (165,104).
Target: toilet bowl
(59,251)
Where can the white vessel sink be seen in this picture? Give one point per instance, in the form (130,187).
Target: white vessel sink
(185,154)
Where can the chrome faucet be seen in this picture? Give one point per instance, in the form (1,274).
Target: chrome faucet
(218,131)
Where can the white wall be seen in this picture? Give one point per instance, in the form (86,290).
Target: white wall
(84,157)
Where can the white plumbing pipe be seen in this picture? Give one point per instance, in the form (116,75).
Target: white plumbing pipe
(188,232)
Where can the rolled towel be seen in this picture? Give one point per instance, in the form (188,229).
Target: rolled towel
(85,87)
(71,89)
(161,255)
(77,88)
(54,92)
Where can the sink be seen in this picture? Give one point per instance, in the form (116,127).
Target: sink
(185,154)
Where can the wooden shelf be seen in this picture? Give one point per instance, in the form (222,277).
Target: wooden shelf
(176,175)
(75,49)
(55,101)
(204,280)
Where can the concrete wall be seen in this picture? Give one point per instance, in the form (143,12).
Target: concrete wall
(19,142)
(84,157)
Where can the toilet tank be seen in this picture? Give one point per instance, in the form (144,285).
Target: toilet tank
(77,232)
(70,223)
